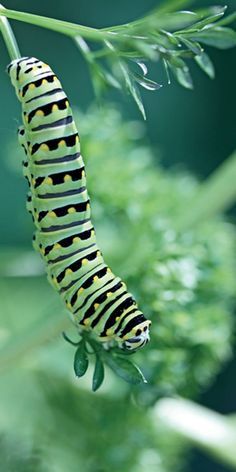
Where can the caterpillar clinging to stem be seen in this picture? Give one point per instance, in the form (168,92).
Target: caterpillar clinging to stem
(59,203)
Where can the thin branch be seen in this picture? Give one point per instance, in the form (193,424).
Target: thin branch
(64,27)
(204,428)
(215,195)
(9,37)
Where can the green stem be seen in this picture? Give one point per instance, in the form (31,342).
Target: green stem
(9,37)
(215,195)
(64,27)
(72,29)
(204,428)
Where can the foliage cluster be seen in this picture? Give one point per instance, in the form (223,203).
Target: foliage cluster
(119,56)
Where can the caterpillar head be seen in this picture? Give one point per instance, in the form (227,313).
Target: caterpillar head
(138,337)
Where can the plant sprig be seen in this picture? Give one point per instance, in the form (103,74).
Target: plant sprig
(113,357)
(118,56)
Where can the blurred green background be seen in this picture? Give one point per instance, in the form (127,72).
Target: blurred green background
(185,131)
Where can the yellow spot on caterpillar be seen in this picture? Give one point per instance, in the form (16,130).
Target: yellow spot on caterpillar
(62,143)
(117,318)
(44,147)
(96,305)
(31,86)
(87,206)
(109,294)
(57,246)
(66,103)
(67,178)
(48,181)
(42,251)
(33,181)
(83,174)
(52,214)
(76,239)
(84,261)
(109,332)
(80,290)
(95,278)
(39,113)
(20,93)
(76,139)
(34,68)
(126,336)
(44,82)
(108,270)
(86,322)
(71,210)
(54,107)
(26,118)
(92,232)
(69,271)
(68,304)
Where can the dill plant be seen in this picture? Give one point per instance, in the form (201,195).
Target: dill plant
(176,266)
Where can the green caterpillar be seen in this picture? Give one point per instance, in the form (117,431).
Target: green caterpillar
(59,203)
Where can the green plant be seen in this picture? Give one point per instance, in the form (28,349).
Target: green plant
(175,274)
(153,45)
(122,53)
(180,268)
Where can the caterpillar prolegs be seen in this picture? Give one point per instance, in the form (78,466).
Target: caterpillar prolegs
(59,203)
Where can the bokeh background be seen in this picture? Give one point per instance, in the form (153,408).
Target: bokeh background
(186,130)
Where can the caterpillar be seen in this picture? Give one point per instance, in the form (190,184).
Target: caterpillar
(58,201)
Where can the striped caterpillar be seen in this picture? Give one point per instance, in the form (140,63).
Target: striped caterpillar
(59,203)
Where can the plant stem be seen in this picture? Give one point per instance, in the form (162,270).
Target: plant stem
(9,37)
(73,29)
(215,195)
(204,428)
(64,27)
